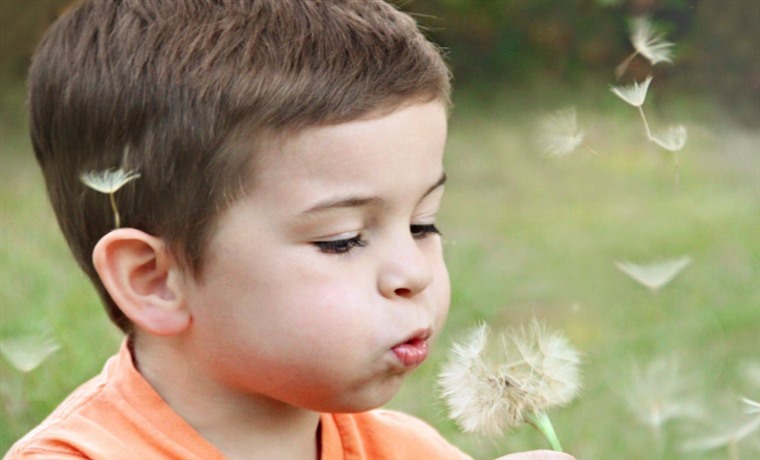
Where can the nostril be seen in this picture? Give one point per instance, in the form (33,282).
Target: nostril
(403,292)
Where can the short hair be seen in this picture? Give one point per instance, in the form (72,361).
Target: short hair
(171,89)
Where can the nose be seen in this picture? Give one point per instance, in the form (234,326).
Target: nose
(406,270)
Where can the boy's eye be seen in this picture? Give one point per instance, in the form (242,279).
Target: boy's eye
(421,231)
(340,246)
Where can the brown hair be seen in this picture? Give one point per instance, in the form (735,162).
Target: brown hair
(169,88)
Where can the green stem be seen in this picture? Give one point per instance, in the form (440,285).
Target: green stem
(541,422)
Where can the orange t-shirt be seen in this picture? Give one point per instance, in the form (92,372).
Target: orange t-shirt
(117,415)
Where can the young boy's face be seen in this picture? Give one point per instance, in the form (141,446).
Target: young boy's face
(323,286)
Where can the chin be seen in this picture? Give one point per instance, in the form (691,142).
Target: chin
(366,398)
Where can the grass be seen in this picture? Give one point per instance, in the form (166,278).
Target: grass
(525,236)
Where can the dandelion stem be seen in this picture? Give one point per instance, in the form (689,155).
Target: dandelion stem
(590,150)
(646,125)
(620,70)
(659,442)
(678,168)
(541,422)
(117,219)
(733,450)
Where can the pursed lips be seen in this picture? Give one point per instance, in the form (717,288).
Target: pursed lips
(414,350)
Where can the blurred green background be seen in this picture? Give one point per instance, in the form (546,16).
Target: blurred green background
(525,235)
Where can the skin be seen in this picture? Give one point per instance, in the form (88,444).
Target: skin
(279,290)
(311,283)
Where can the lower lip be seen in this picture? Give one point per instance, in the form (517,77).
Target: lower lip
(411,353)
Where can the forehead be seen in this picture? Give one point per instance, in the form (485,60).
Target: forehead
(379,150)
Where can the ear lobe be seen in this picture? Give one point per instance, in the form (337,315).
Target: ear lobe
(143,279)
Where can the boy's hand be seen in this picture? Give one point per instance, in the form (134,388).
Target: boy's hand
(538,455)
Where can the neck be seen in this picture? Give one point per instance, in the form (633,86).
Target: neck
(241,426)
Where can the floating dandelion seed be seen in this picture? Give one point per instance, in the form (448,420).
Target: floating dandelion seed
(654,275)
(26,353)
(753,407)
(725,435)
(635,95)
(109,182)
(648,43)
(500,387)
(559,135)
(673,139)
(660,393)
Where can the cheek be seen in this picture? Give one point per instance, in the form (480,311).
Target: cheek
(316,301)
(331,308)
(443,294)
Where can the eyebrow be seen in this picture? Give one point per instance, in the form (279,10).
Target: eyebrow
(359,201)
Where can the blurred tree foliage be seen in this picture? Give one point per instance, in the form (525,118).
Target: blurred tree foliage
(528,42)
(520,42)
(22,23)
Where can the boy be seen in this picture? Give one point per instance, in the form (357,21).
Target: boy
(276,265)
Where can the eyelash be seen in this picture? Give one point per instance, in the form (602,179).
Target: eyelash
(346,245)
(421,231)
(340,246)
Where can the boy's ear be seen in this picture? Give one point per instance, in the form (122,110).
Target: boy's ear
(143,279)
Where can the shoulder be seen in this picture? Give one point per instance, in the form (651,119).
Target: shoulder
(38,449)
(391,434)
(80,419)
(116,415)
(49,438)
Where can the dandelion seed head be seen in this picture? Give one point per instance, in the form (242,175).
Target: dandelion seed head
(633,94)
(673,139)
(493,388)
(470,390)
(108,181)
(558,133)
(649,43)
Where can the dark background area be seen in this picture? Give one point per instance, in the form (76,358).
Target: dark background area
(507,45)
